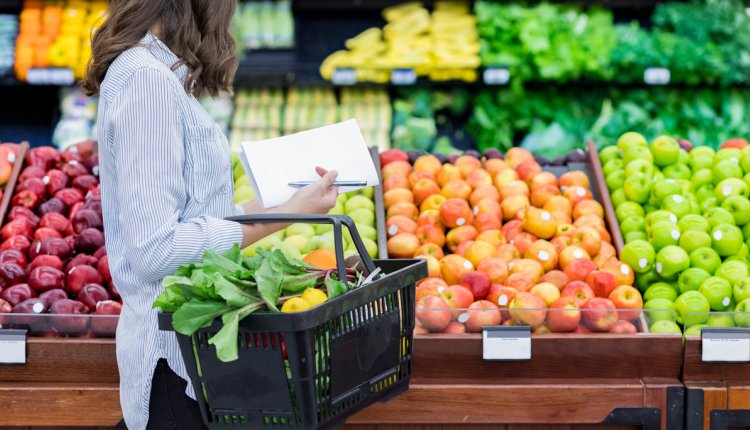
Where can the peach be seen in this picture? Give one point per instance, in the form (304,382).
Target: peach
(431,234)
(623,327)
(495,237)
(406,209)
(601,282)
(400,168)
(560,243)
(428,163)
(517,155)
(571,254)
(402,245)
(542,194)
(433,265)
(523,241)
(578,270)
(588,207)
(417,176)
(456,189)
(489,207)
(540,223)
(546,291)
(478,178)
(453,267)
(482,313)
(502,296)
(623,273)
(476,282)
(564,315)
(512,205)
(588,239)
(543,252)
(527,265)
(504,177)
(508,252)
(460,235)
(478,251)
(432,202)
(589,221)
(574,178)
(514,188)
(429,217)
(520,281)
(486,222)
(457,298)
(599,314)
(577,194)
(528,309)
(454,328)
(423,189)
(462,247)
(430,249)
(496,269)
(395,181)
(467,164)
(494,165)
(512,228)
(528,169)
(455,213)
(429,286)
(628,301)
(400,224)
(558,204)
(432,313)
(448,173)
(397,195)
(484,192)
(543,179)
(557,278)
(578,289)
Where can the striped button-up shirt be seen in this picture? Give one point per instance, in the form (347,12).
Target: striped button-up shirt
(166,182)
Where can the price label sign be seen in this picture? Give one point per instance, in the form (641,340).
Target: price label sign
(725,345)
(657,76)
(496,76)
(344,76)
(506,343)
(403,77)
(12,346)
(51,76)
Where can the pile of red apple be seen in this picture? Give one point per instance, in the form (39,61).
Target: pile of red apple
(506,243)
(52,256)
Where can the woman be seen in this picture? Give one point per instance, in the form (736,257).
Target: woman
(166,180)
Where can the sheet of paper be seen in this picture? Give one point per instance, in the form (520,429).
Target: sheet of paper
(272,164)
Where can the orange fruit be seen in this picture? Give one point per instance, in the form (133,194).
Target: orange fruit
(321,259)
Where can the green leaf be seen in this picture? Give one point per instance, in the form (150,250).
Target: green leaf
(215,262)
(225,340)
(233,295)
(334,287)
(197,314)
(269,284)
(296,284)
(234,254)
(170,300)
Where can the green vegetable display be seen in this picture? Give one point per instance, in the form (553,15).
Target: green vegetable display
(421,115)
(232,287)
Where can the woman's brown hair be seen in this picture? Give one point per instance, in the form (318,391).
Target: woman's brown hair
(197,31)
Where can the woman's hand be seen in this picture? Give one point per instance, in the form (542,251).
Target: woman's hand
(317,198)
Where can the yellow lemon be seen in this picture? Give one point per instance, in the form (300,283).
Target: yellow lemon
(314,297)
(295,304)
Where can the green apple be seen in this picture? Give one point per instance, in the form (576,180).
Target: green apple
(637,187)
(368,192)
(665,188)
(320,229)
(745,163)
(639,166)
(691,279)
(341,199)
(635,235)
(746,231)
(708,203)
(350,253)
(238,171)
(717,216)
(685,185)
(371,246)
(330,237)
(701,177)
(728,154)
(632,154)
(319,242)
(660,290)
(305,230)
(694,330)
(739,207)
(659,310)
(648,207)
(363,216)
(743,253)
(660,215)
(665,327)
(297,240)
(746,180)
(684,157)
(720,320)
(639,255)
(618,197)
(244,194)
(733,271)
(730,187)
(692,308)
(609,153)
(613,165)
(358,202)
(663,234)
(678,205)
(702,154)
(726,239)
(633,223)
(367,232)
(242,180)
(631,139)
(615,180)
(646,279)
(665,150)
(289,249)
(693,239)
(693,222)
(705,258)
(741,290)
(718,292)
(671,261)
(677,171)
(658,175)
(338,209)
(742,313)
(726,169)
(628,209)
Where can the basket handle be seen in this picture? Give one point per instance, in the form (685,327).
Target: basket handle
(336,220)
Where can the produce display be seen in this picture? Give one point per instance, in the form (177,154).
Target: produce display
(684,215)
(8,33)
(423,120)
(507,241)
(264,24)
(52,258)
(77,118)
(56,34)
(442,45)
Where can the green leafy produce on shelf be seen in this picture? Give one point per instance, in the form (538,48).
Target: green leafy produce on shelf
(419,114)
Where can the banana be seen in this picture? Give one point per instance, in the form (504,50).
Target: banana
(368,37)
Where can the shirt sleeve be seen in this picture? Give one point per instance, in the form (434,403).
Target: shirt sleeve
(150,160)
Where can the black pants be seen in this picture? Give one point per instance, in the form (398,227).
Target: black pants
(169,406)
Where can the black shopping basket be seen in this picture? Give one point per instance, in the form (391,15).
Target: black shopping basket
(311,369)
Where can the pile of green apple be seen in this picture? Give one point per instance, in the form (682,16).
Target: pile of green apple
(297,240)
(684,215)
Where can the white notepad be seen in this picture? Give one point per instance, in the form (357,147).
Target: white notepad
(273,163)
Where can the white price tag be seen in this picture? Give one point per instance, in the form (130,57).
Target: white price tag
(344,76)
(657,76)
(403,77)
(12,346)
(506,343)
(50,76)
(496,76)
(726,345)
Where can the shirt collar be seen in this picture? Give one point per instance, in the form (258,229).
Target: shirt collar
(161,52)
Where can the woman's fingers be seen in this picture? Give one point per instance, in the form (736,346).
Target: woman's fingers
(326,181)
(320,171)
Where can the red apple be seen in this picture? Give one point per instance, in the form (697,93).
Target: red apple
(456,297)
(433,314)
(79,276)
(502,296)
(601,282)
(481,313)
(455,328)
(623,327)
(476,282)
(564,315)
(528,309)
(628,301)
(46,260)
(599,314)
(578,289)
